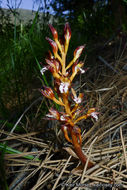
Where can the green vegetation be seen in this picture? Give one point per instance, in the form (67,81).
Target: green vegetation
(22,48)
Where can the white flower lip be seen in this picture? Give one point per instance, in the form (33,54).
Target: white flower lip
(82,70)
(62,118)
(64,87)
(77,100)
(77,68)
(43,70)
(50,115)
(94,115)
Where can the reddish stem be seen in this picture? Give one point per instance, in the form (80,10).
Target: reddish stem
(78,150)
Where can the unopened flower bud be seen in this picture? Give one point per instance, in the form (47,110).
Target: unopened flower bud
(78,52)
(67,32)
(49,62)
(48,92)
(54,32)
(53,45)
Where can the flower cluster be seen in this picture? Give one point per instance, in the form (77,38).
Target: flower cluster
(63,75)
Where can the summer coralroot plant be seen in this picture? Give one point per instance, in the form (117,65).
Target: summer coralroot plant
(67,98)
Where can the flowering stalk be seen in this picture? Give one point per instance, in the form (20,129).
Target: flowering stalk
(63,76)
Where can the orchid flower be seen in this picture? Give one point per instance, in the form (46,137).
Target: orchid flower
(54,114)
(63,75)
(64,86)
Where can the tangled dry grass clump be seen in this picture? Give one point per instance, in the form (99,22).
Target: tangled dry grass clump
(104,142)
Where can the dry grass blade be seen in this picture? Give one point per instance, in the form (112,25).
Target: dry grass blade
(43,180)
(123,145)
(61,173)
(88,158)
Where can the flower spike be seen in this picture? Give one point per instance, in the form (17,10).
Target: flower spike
(63,74)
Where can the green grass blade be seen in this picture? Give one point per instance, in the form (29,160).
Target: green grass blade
(44,78)
(13,151)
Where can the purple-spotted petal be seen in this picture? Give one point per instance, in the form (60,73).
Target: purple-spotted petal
(62,118)
(64,86)
(77,100)
(94,115)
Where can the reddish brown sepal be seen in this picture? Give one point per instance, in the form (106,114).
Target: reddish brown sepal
(53,114)
(47,92)
(54,32)
(67,32)
(53,45)
(78,51)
